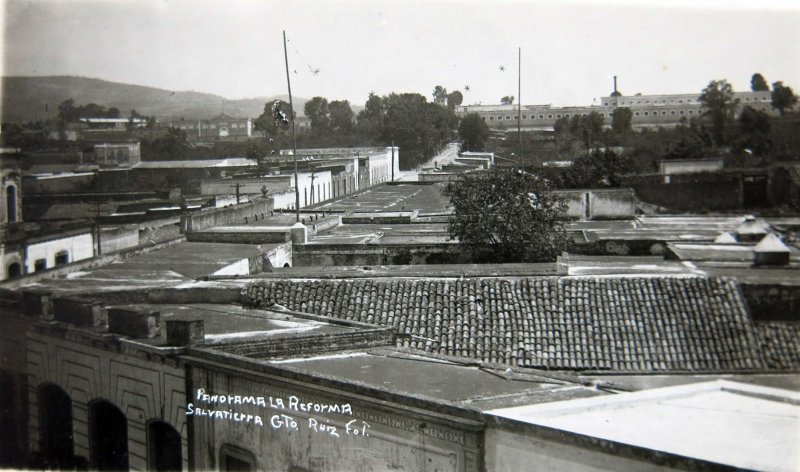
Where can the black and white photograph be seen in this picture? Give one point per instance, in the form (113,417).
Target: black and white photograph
(400,235)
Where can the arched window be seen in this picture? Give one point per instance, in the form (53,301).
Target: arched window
(108,436)
(55,427)
(11,203)
(163,447)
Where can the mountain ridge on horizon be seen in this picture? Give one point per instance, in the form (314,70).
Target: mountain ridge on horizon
(31,98)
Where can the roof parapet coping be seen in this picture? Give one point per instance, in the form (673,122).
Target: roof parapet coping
(79,312)
(134,322)
(185,332)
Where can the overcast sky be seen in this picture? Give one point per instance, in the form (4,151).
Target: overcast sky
(570,49)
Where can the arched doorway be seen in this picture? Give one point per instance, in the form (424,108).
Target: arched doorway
(163,447)
(108,436)
(55,427)
(223,131)
(14,270)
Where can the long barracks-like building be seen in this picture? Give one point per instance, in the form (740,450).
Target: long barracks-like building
(648,110)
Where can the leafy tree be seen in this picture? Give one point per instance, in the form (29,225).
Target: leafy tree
(474,132)
(754,132)
(454,99)
(758,83)
(507,216)
(507,100)
(596,169)
(720,105)
(439,95)
(621,120)
(420,128)
(172,146)
(783,97)
(342,118)
(316,110)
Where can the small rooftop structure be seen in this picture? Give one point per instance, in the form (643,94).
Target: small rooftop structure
(771,251)
(751,229)
(726,238)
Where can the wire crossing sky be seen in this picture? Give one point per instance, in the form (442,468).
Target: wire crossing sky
(347,49)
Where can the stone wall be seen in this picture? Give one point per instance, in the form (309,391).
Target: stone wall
(99,368)
(690,192)
(396,438)
(238,214)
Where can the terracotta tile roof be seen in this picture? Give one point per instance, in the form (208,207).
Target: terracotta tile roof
(619,323)
(780,343)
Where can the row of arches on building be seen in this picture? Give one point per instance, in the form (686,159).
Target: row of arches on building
(108,436)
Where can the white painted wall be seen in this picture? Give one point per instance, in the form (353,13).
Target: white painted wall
(78,247)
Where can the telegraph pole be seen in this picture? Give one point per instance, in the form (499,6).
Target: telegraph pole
(294,138)
(519,103)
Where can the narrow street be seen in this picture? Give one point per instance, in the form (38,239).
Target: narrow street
(447,156)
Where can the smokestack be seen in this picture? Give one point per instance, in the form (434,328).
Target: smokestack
(615,85)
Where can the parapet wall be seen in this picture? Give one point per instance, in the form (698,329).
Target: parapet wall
(242,213)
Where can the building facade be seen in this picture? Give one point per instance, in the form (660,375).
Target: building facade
(647,110)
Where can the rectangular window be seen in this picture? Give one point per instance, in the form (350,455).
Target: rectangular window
(62,257)
(40,264)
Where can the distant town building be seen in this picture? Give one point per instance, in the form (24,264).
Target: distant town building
(116,154)
(648,110)
(221,126)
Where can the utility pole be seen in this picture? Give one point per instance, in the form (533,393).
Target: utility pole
(237,192)
(294,138)
(519,103)
(392,158)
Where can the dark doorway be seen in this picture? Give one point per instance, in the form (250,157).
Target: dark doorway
(754,188)
(163,447)
(14,270)
(108,437)
(55,426)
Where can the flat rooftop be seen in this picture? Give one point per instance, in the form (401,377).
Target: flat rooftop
(226,323)
(395,197)
(428,377)
(171,266)
(724,422)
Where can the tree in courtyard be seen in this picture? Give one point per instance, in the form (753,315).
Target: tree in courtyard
(754,132)
(507,216)
(621,120)
(758,83)
(783,97)
(342,118)
(474,132)
(720,105)
(507,100)
(316,110)
(454,99)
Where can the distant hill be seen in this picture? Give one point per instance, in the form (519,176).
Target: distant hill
(31,98)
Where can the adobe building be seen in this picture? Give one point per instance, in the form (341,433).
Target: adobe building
(358,368)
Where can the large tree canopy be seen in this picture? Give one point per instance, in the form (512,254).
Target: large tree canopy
(758,83)
(507,216)
(720,105)
(420,128)
(474,133)
(783,97)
